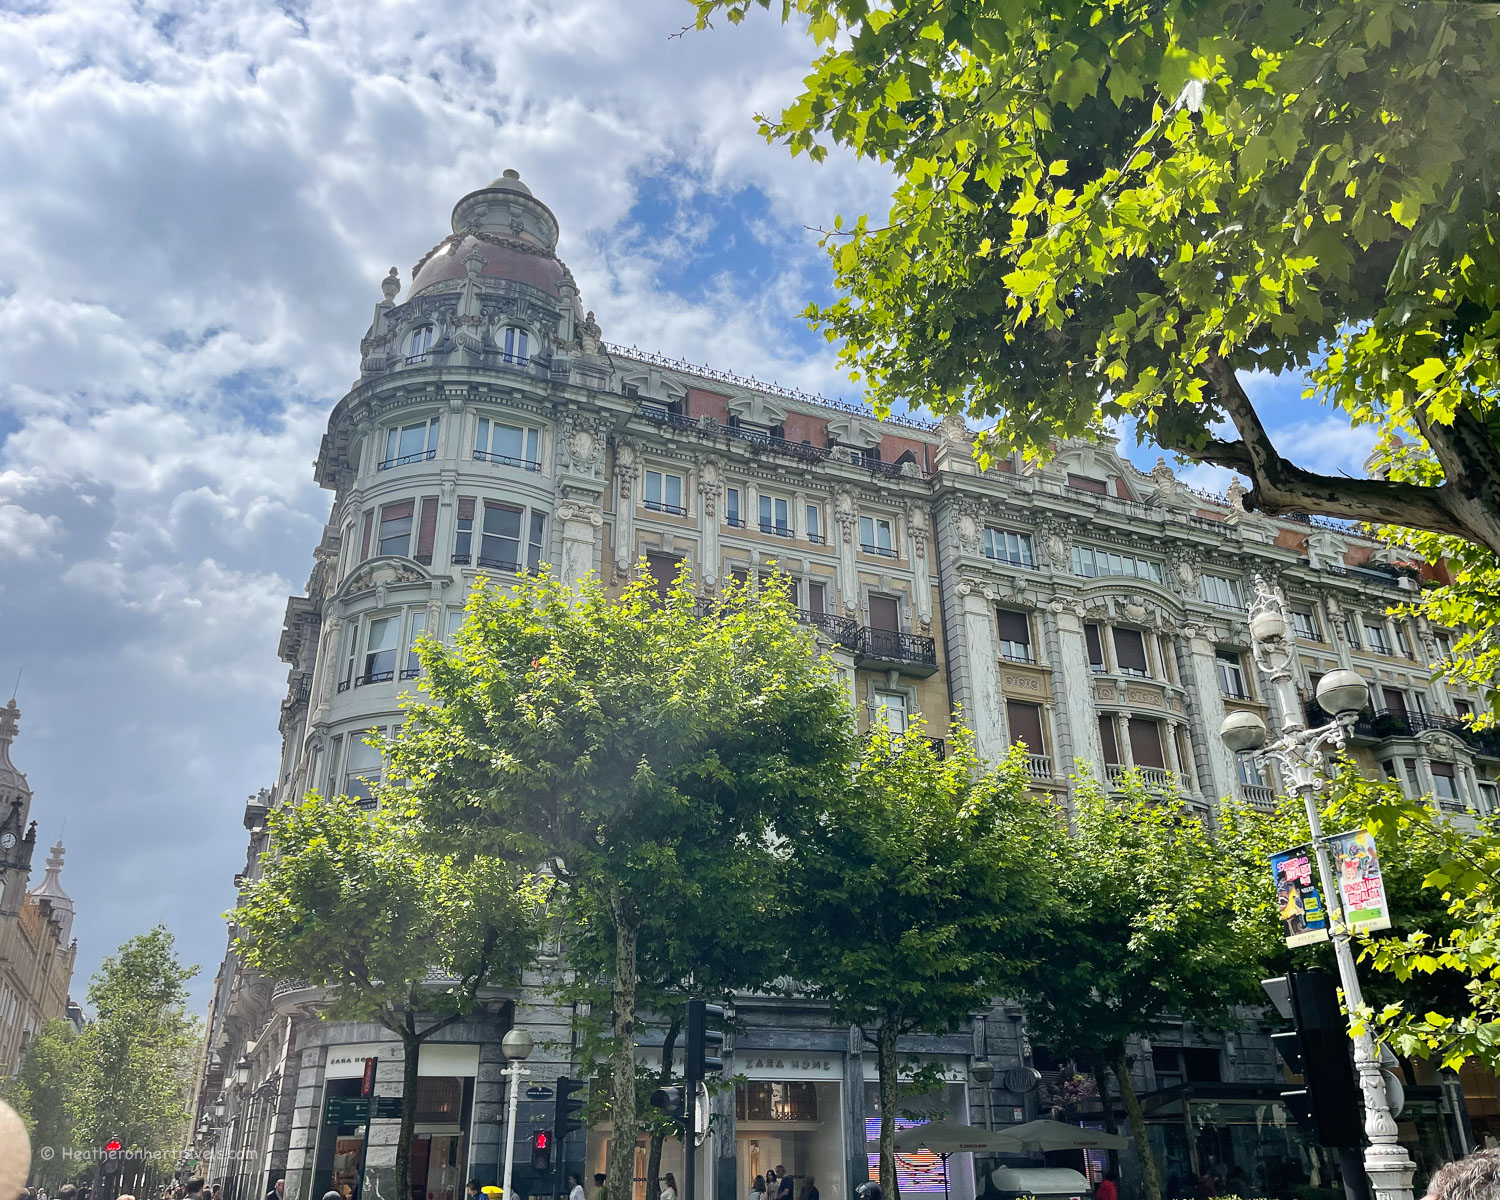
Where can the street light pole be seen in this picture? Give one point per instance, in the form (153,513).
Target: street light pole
(516,1046)
(1298,751)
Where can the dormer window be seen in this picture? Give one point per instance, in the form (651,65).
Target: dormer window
(418,342)
(514,346)
(410,443)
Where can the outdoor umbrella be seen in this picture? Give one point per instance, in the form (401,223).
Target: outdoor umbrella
(944,1138)
(1056,1135)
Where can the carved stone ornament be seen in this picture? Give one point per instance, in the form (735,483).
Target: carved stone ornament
(391,284)
(1057,551)
(843,510)
(589,334)
(968,533)
(577,510)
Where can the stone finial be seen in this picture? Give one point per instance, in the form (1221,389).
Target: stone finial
(390,285)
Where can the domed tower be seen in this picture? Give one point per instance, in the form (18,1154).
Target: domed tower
(465,440)
(17,836)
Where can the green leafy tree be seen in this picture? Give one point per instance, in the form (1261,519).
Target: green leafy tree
(918,894)
(355,902)
(133,1063)
(639,742)
(1155,918)
(41,1092)
(1111,208)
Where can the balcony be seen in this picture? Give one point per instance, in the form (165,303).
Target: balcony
(778,530)
(841,630)
(405,459)
(662,416)
(1259,797)
(885,649)
(761,440)
(661,506)
(1039,768)
(508,460)
(879,551)
(374,677)
(1155,778)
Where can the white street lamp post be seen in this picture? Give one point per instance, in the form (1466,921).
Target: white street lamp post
(1298,752)
(516,1046)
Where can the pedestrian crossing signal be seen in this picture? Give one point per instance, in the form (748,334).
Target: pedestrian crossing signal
(541,1151)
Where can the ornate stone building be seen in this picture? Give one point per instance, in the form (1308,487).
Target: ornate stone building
(36,927)
(1091,610)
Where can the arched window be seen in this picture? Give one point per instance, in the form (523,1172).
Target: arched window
(515,346)
(418,341)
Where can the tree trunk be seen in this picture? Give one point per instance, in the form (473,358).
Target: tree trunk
(1101,1085)
(1150,1176)
(411,1047)
(885,1058)
(663,1079)
(620,1182)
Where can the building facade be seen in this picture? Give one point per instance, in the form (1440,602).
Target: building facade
(37,949)
(1095,612)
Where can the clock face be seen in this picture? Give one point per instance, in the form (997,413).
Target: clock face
(8,841)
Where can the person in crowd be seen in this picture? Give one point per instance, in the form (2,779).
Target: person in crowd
(669,1186)
(809,1189)
(575,1188)
(786,1188)
(771,1179)
(193,1189)
(599,1191)
(278,1190)
(472,1190)
(758,1188)
(1474,1178)
(1108,1189)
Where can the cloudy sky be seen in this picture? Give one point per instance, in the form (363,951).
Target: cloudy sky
(197,203)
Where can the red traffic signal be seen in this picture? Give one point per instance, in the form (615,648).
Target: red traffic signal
(112,1146)
(541,1151)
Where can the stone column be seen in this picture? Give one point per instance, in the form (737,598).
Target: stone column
(581,526)
(1333,619)
(917,527)
(625,464)
(848,519)
(327,670)
(856,1154)
(1200,679)
(1067,737)
(302,1142)
(709,488)
(1073,688)
(985,705)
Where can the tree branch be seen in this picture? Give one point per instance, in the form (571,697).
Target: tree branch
(1466,507)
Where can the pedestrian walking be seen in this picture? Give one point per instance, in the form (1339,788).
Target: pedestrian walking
(1107,1189)
(575,1188)
(278,1190)
(599,1190)
(787,1188)
(669,1187)
(757,1188)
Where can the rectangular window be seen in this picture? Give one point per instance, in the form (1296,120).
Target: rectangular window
(455,622)
(1375,637)
(817,598)
(1015,635)
(1249,770)
(1130,652)
(775,515)
(1095,645)
(1489,798)
(1025,722)
(363,769)
(515,346)
(1394,700)
(664,493)
(350,654)
(1108,740)
(1221,591)
(732,508)
(1351,630)
(1004,545)
(885,614)
(380,651)
(1231,675)
(463,541)
(427,530)
(395,528)
(1087,483)
(508,445)
(410,443)
(1419,703)
(413,666)
(1403,639)
(1463,708)
(534,542)
(364,537)
(1092,563)
(1305,625)
(892,707)
(1444,781)
(500,537)
(1413,780)
(335,745)
(875,537)
(664,568)
(1145,744)
(814,517)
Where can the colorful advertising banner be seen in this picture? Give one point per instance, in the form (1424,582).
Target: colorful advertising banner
(1361,888)
(1304,918)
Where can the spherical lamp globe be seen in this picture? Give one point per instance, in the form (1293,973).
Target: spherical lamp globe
(516,1045)
(1243,730)
(1342,692)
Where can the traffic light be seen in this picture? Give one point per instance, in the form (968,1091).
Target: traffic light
(564,1113)
(671,1100)
(704,1044)
(1327,1105)
(541,1151)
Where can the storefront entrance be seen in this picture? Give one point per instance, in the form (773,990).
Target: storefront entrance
(794,1127)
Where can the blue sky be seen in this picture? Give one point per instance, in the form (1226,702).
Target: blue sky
(197,203)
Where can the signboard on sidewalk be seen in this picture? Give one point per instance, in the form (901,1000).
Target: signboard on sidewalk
(1299,902)
(1361,887)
